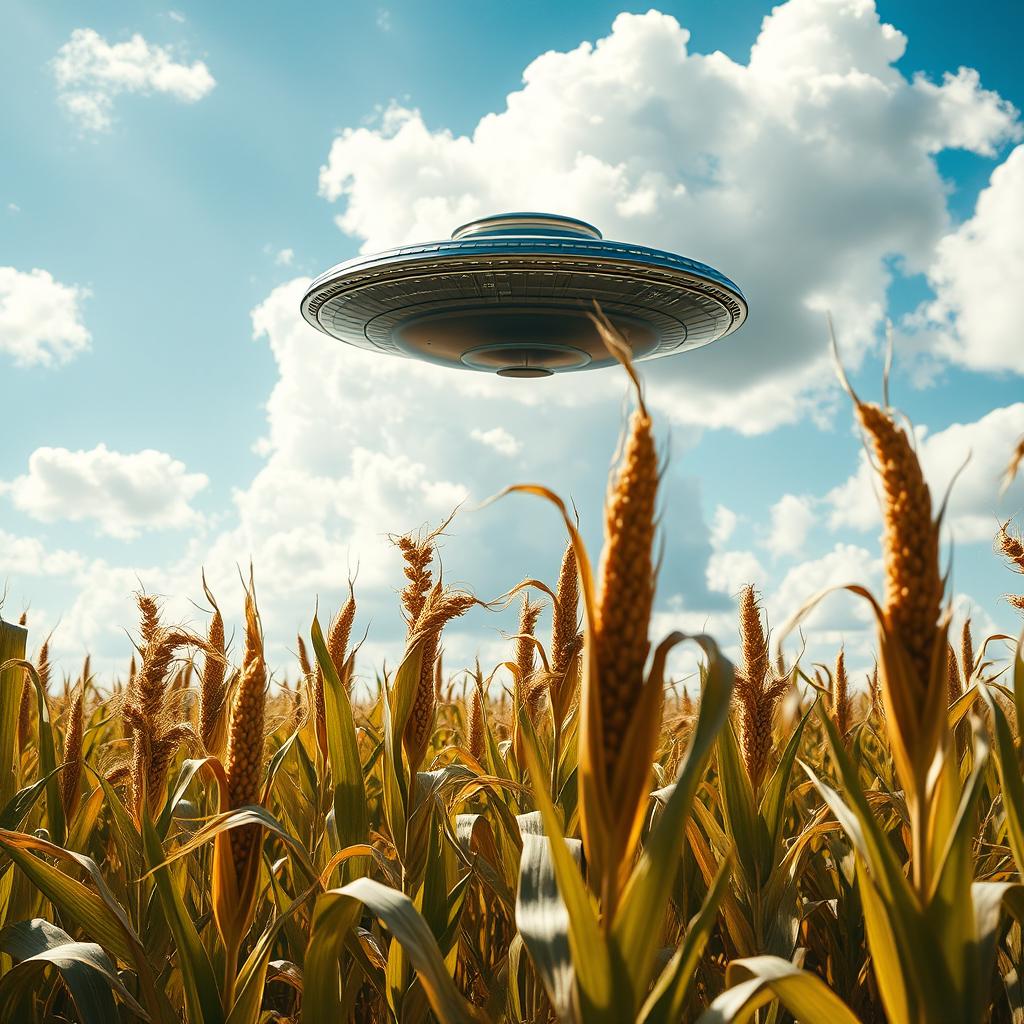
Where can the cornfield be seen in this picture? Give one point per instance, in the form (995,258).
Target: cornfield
(588,843)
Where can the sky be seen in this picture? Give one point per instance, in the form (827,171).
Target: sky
(172,179)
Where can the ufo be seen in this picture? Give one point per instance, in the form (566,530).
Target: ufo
(513,294)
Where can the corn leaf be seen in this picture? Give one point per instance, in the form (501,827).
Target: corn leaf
(336,914)
(202,997)
(760,980)
(599,1000)
(85,969)
(350,815)
(543,922)
(13,640)
(667,1000)
(649,887)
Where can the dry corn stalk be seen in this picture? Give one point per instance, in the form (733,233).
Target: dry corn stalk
(841,706)
(440,606)
(967,652)
(151,711)
(621,706)
(524,666)
(912,623)
(954,681)
(566,638)
(213,688)
(875,708)
(71,775)
(757,691)
(475,740)
(28,694)
(237,852)
(1011,547)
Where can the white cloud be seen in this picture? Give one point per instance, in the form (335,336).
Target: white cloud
(792,517)
(91,72)
(383,19)
(285,257)
(29,556)
(800,174)
(978,278)
(40,318)
(729,570)
(840,612)
(122,493)
(177,16)
(497,438)
(723,525)
(974,506)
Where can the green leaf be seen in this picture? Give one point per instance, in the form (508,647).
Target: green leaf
(252,978)
(1009,776)
(741,819)
(950,911)
(251,814)
(590,953)
(350,816)
(543,922)
(13,640)
(85,969)
(396,706)
(899,1000)
(202,997)
(760,980)
(22,802)
(667,1000)
(10,677)
(650,885)
(337,912)
(773,799)
(97,912)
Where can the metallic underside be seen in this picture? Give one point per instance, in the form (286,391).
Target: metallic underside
(520,306)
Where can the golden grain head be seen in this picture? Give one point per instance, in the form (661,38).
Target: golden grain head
(476,738)
(71,775)
(440,607)
(341,632)
(1011,547)
(913,579)
(842,707)
(966,651)
(625,589)
(526,651)
(757,691)
(213,683)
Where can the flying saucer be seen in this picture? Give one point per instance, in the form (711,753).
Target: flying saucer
(511,294)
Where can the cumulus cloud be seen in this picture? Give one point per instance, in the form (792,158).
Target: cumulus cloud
(729,570)
(92,72)
(29,556)
(497,438)
(799,173)
(723,525)
(792,517)
(40,318)
(840,612)
(122,493)
(978,278)
(977,450)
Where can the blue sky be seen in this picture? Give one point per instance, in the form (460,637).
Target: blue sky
(165,409)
